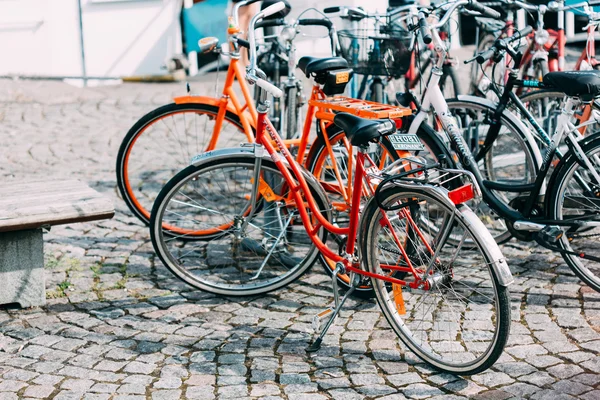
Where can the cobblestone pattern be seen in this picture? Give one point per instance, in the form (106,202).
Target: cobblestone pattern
(119,326)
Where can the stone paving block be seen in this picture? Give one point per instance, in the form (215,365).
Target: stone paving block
(162,339)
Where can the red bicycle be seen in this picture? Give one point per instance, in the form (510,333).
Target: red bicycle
(249,220)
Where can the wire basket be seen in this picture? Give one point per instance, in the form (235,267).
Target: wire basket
(370,52)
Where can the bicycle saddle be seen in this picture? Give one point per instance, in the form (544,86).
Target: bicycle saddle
(582,84)
(316,65)
(361,131)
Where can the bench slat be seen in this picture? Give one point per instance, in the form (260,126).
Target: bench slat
(31,205)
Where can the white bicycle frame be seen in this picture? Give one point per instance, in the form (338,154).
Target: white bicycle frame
(433,101)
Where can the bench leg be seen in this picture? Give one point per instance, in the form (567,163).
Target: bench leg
(22,268)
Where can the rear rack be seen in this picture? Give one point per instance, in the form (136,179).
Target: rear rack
(361,108)
(416,170)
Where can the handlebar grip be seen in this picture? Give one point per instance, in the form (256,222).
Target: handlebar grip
(522,33)
(331,10)
(424,29)
(485,55)
(272,9)
(316,21)
(272,89)
(266,23)
(483,10)
(243,43)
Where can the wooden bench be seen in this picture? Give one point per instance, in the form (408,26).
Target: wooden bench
(26,209)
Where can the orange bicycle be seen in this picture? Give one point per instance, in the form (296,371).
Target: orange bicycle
(248,220)
(165,140)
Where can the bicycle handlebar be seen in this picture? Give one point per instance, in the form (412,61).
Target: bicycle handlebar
(252,72)
(499,45)
(482,9)
(270,88)
(267,23)
(316,22)
(424,28)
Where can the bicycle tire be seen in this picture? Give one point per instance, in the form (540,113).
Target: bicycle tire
(138,201)
(588,272)
(478,73)
(551,101)
(291,112)
(252,245)
(450,78)
(513,137)
(377,92)
(427,340)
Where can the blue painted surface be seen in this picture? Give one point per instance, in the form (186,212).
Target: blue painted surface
(207,18)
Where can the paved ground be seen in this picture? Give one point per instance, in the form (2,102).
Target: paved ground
(117,325)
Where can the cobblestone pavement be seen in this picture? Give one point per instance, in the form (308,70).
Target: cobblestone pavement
(118,325)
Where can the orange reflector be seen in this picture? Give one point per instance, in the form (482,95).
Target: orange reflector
(398,298)
(461,194)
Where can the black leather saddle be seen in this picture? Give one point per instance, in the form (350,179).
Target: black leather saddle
(361,131)
(582,84)
(315,65)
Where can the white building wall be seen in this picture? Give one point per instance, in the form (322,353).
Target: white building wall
(320,47)
(121,37)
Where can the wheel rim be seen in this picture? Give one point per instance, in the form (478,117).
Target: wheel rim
(573,203)
(164,146)
(212,198)
(455,325)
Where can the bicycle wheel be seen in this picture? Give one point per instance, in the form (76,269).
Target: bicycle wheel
(545,106)
(570,200)
(377,91)
(540,69)
(461,324)
(197,227)
(291,112)
(449,83)
(484,75)
(320,163)
(511,160)
(162,143)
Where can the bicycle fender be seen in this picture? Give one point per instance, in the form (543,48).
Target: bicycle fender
(513,119)
(248,151)
(213,102)
(499,264)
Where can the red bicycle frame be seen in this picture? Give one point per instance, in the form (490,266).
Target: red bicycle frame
(301,194)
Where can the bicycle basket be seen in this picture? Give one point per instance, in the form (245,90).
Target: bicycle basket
(370,52)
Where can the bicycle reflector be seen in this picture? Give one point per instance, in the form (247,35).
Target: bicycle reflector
(461,194)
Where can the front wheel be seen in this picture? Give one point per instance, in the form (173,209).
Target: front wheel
(575,195)
(460,324)
(162,143)
(205,229)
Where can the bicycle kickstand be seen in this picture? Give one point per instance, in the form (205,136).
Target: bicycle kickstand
(339,268)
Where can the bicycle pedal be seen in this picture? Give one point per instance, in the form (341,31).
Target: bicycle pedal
(551,234)
(316,321)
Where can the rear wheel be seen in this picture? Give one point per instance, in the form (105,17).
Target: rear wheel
(510,160)
(291,112)
(203,230)
(449,82)
(570,200)
(460,324)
